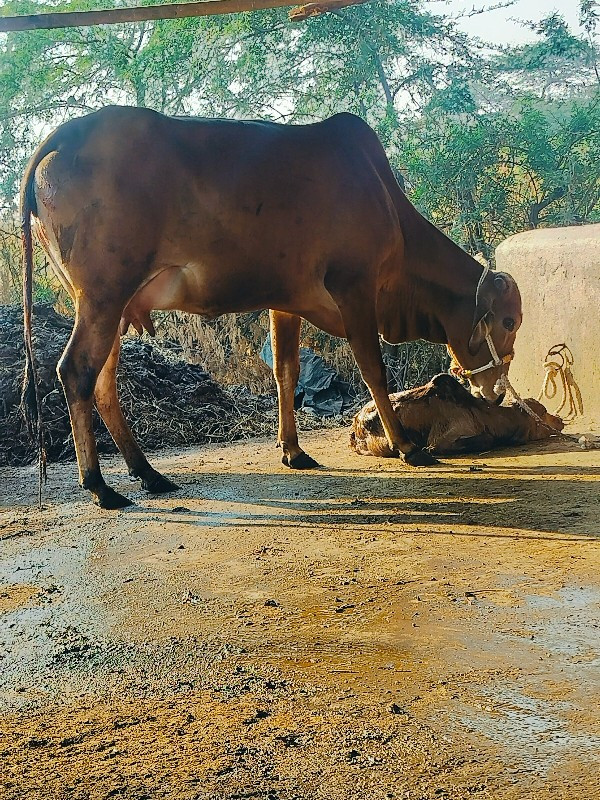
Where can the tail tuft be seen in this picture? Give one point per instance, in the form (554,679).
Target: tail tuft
(29,406)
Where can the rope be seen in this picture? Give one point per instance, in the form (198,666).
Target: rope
(482,277)
(460,372)
(557,364)
(504,386)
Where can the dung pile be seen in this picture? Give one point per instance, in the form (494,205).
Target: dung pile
(167,401)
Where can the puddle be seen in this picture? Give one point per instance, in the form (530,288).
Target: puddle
(569,597)
(56,608)
(567,624)
(552,711)
(538,732)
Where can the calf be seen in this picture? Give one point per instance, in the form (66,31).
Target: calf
(445,418)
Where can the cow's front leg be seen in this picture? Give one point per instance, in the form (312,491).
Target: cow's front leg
(361,331)
(285,342)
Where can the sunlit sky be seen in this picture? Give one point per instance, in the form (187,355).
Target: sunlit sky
(502,26)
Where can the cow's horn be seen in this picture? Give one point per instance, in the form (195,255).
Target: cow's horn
(501,283)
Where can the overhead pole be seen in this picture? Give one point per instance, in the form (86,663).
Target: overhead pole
(111,16)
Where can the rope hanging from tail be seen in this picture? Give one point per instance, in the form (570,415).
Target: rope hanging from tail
(31,402)
(557,364)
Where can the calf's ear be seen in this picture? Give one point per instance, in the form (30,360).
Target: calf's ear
(371,421)
(480,331)
(556,422)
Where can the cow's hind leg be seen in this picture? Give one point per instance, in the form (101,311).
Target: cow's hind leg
(107,403)
(360,323)
(78,369)
(285,341)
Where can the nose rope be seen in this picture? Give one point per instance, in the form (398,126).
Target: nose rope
(460,372)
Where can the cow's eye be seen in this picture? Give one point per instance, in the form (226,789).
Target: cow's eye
(509,323)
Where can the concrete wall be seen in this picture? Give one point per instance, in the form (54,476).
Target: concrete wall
(558,273)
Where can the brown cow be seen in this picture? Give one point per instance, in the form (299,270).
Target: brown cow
(445,418)
(139,211)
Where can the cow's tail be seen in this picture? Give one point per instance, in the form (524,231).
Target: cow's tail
(70,134)
(30,396)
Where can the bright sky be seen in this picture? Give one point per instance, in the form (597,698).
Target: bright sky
(502,26)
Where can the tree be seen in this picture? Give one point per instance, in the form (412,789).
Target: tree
(484,177)
(486,142)
(373,60)
(515,148)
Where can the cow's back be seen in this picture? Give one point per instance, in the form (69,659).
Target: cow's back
(260,211)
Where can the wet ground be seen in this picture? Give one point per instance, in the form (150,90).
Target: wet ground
(360,631)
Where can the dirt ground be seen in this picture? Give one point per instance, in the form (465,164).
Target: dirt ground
(360,631)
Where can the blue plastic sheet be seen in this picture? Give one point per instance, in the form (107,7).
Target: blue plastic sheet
(319,386)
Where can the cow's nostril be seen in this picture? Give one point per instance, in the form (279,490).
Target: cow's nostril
(499,399)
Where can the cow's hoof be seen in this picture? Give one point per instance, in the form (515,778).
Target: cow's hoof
(111,500)
(420,458)
(156,483)
(301,461)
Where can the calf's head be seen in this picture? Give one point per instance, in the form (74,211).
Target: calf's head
(550,422)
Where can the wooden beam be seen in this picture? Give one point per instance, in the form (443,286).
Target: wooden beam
(75,19)
(314,9)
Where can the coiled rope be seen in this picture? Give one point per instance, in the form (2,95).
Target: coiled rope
(557,365)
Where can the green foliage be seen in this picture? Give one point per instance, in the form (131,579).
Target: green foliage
(489,175)
(558,62)
(589,16)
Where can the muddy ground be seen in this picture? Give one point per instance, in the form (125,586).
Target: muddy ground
(361,631)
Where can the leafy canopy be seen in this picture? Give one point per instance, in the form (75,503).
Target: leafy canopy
(487,142)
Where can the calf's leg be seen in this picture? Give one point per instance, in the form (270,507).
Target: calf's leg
(285,341)
(467,444)
(78,369)
(107,403)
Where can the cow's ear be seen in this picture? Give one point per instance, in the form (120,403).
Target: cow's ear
(480,331)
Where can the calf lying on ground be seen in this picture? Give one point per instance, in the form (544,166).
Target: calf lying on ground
(445,418)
